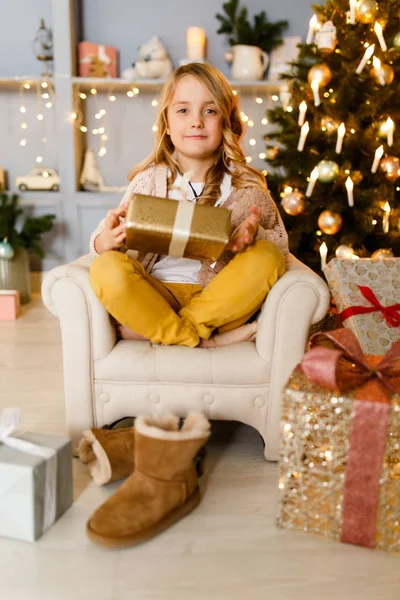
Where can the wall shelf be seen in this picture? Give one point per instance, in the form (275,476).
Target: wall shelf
(104,83)
(18,80)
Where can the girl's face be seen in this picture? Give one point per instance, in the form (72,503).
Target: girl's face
(194,120)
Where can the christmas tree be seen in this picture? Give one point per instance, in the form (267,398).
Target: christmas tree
(333,158)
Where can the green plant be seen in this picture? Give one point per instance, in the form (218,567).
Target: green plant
(29,235)
(262,33)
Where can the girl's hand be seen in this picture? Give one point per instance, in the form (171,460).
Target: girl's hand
(246,233)
(114,233)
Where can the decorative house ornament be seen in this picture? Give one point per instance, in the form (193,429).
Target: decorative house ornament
(326,38)
(43,47)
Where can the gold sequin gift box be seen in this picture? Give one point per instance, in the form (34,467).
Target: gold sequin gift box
(367,295)
(180,229)
(340,444)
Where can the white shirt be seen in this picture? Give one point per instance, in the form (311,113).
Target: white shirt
(185,270)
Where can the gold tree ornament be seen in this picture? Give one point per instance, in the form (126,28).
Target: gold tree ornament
(294,203)
(330,222)
(320,73)
(382,253)
(396,41)
(385,73)
(328,170)
(344,251)
(390,165)
(366,11)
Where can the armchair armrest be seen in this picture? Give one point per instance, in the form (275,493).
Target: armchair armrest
(87,335)
(299,299)
(68,295)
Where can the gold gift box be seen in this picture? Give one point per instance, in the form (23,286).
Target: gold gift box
(181,229)
(315,444)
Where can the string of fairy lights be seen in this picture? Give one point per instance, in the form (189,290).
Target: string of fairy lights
(45,99)
(98,109)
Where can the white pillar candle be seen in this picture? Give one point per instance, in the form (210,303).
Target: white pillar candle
(323,251)
(389,130)
(378,155)
(303,136)
(353,4)
(378,68)
(315,89)
(349,187)
(195,43)
(379,35)
(368,53)
(386,216)
(302,112)
(311,29)
(340,138)
(313,178)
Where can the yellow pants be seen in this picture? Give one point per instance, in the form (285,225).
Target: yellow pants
(181,313)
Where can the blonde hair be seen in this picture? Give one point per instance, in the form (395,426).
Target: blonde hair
(229,156)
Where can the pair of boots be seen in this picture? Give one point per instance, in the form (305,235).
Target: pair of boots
(162,487)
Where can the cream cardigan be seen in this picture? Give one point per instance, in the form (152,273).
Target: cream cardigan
(153,182)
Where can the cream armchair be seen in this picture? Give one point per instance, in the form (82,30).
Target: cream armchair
(105,380)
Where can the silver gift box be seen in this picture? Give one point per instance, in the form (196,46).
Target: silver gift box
(25,485)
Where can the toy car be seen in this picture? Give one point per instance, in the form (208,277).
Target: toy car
(39,179)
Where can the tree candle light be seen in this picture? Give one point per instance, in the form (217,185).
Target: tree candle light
(368,53)
(303,136)
(340,138)
(323,251)
(349,187)
(378,155)
(379,35)
(302,112)
(385,222)
(378,68)
(312,29)
(353,4)
(389,130)
(313,179)
(315,89)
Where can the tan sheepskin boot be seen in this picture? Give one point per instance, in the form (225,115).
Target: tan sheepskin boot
(109,454)
(163,487)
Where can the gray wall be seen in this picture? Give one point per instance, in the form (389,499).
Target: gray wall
(19,22)
(117,23)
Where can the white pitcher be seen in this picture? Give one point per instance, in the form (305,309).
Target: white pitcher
(248,62)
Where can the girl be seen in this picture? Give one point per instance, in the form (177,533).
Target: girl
(180,301)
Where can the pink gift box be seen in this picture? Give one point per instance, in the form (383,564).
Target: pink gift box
(9,305)
(97,60)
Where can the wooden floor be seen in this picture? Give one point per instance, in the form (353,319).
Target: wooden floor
(228,548)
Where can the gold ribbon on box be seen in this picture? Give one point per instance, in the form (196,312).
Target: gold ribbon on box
(182,227)
(335,361)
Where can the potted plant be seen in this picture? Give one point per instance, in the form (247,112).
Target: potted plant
(17,239)
(250,43)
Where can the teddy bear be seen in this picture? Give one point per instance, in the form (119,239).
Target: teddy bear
(153,62)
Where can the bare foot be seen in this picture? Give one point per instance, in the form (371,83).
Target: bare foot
(245,333)
(128,334)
